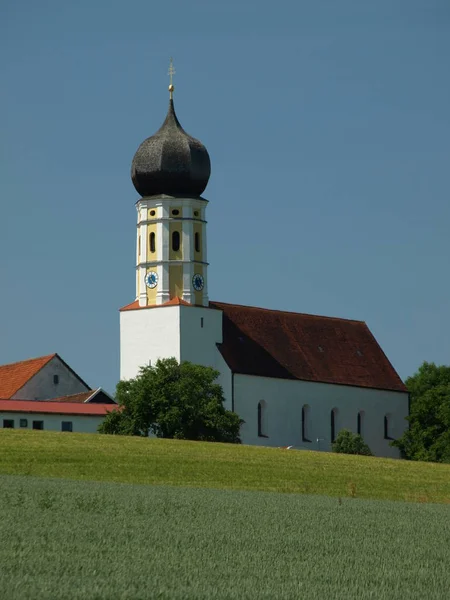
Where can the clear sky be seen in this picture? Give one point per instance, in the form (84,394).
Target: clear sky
(327,123)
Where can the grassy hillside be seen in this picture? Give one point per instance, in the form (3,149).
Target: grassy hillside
(68,540)
(194,464)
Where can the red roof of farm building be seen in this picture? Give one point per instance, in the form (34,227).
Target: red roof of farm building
(14,376)
(60,408)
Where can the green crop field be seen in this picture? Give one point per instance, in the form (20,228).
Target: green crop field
(83,540)
(102,517)
(195,464)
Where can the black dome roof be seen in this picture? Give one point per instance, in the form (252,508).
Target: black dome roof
(171,162)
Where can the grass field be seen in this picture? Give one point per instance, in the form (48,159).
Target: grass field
(220,466)
(75,540)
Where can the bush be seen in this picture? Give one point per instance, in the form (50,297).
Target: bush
(350,443)
(172,400)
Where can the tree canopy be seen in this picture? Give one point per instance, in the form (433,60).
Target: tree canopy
(173,400)
(350,443)
(428,437)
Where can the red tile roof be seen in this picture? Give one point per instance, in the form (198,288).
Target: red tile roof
(90,395)
(14,376)
(61,408)
(82,397)
(173,302)
(286,345)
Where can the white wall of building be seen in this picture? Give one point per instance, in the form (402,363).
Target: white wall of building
(200,332)
(42,386)
(188,333)
(52,422)
(147,334)
(284,400)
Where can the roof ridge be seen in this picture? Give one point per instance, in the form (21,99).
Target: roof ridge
(289,312)
(18,362)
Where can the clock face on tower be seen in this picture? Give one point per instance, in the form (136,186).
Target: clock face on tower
(151,279)
(197,282)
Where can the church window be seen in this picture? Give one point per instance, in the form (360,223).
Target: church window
(333,424)
(195,213)
(56,379)
(152,242)
(139,245)
(360,422)
(152,213)
(305,423)
(387,427)
(201,321)
(262,419)
(175,241)
(175,212)
(197,241)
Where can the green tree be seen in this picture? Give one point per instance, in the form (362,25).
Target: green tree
(350,443)
(173,400)
(428,436)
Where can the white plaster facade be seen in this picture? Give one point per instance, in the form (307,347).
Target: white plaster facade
(284,399)
(192,333)
(53,422)
(43,385)
(188,333)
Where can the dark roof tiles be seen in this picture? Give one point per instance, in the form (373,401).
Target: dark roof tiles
(286,345)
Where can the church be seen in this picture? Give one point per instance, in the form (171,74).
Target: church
(295,379)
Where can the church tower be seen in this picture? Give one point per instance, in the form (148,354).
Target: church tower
(171,314)
(170,171)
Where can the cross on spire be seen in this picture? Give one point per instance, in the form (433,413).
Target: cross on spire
(171,74)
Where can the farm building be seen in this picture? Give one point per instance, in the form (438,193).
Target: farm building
(295,379)
(45,393)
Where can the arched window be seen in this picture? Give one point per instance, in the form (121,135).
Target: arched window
(139,245)
(360,423)
(197,241)
(175,241)
(262,419)
(388,427)
(333,424)
(305,423)
(152,241)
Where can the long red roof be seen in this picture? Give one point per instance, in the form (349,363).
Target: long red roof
(287,345)
(60,408)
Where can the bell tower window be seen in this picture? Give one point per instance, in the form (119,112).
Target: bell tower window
(175,241)
(152,242)
(197,241)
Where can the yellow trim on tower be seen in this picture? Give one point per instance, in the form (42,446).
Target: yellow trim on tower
(151,292)
(151,228)
(176,281)
(176,216)
(175,254)
(198,270)
(198,229)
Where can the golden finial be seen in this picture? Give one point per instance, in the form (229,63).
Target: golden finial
(171,74)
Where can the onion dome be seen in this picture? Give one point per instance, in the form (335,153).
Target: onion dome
(171,161)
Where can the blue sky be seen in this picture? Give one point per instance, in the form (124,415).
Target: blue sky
(328,128)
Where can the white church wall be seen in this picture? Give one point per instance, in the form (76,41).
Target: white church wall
(146,335)
(200,332)
(42,385)
(52,422)
(284,401)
